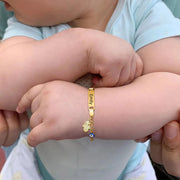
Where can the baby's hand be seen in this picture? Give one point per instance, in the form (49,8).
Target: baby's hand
(11,125)
(115,60)
(59,110)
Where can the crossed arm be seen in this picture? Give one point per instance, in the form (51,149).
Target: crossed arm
(66,56)
(26,62)
(155,58)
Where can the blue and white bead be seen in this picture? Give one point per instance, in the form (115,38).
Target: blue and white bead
(91,135)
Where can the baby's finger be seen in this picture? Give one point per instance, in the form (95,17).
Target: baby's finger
(39,134)
(3,129)
(13,127)
(132,72)
(139,66)
(171,147)
(35,120)
(24,121)
(35,103)
(156,146)
(124,76)
(27,99)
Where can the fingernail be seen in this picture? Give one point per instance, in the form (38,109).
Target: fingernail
(18,109)
(171,131)
(157,136)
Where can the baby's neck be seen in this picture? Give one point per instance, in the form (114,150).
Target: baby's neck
(97,16)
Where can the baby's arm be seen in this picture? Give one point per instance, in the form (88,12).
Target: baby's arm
(26,62)
(11,124)
(152,100)
(127,112)
(138,109)
(161,56)
(66,56)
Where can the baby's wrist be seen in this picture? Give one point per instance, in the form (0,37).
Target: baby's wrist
(90,39)
(84,44)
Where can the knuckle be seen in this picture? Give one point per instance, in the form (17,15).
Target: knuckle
(170,147)
(48,93)
(47,90)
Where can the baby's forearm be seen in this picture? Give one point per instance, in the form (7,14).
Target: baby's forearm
(148,103)
(25,62)
(138,109)
(67,56)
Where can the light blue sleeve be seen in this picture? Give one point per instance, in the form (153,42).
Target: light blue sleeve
(15,28)
(157,22)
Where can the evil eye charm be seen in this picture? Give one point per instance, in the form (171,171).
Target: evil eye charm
(91,135)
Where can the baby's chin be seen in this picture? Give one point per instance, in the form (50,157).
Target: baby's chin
(40,23)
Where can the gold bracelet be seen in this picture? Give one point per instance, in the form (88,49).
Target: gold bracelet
(89,124)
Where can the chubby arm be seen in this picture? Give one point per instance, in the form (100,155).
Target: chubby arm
(152,100)
(161,56)
(66,56)
(127,112)
(25,62)
(138,109)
